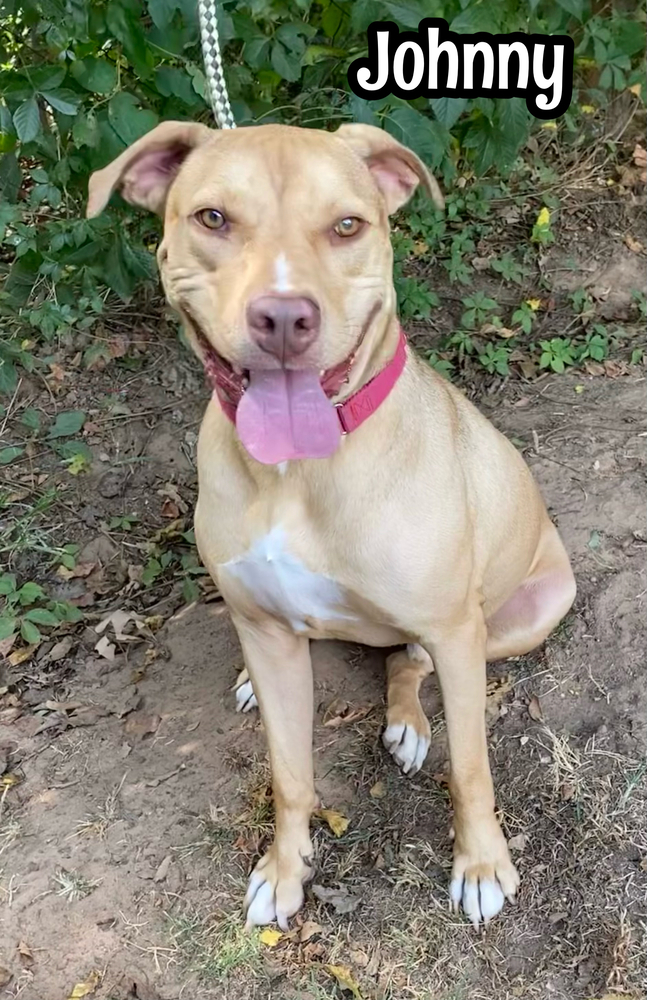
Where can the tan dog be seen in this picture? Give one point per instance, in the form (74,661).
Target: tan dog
(422,527)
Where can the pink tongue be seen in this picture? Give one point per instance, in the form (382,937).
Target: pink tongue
(285,415)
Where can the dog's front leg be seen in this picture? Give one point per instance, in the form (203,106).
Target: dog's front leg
(482,873)
(280,671)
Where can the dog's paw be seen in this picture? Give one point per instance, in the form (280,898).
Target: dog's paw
(407,741)
(245,697)
(481,884)
(275,890)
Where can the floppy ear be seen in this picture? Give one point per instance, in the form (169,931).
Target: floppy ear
(144,172)
(396,170)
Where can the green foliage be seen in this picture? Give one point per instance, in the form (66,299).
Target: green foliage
(26,609)
(80,81)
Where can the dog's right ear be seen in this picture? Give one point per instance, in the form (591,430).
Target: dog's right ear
(144,172)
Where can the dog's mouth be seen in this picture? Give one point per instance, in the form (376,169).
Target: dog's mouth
(280,414)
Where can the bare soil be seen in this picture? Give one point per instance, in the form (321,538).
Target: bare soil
(135,800)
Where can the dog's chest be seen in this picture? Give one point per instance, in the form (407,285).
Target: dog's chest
(280,584)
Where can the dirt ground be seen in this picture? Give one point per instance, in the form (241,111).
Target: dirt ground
(135,800)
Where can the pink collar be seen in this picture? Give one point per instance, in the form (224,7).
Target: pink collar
(351,412)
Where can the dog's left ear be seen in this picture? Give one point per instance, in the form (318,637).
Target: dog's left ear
(396,170)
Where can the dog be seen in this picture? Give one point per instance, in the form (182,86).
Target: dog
(346,490)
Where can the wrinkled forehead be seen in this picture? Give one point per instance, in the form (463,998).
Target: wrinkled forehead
(274,169)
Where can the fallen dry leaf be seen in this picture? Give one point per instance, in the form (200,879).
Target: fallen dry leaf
(86,988)
(60,649)
(518,843)
(378,791)
(141,724)
(58,706)
(308,930)
(6,645)
(340,713)
(170,509)
(337,823)
(170,491)
(534,709)
(162,871)
(5,976)
(314,949)
(105,648)
(26,955)
(21,655)
(359,958)
(9,715)
(340,899)
(345,979)
(567,791)
(270,937)
(634,245)
(497,688)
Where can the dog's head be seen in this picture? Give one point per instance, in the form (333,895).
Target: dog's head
(276,240)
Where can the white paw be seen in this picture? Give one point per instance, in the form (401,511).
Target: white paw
(245,697)
(481,899)
(406,745)
(482,887)
(272,897)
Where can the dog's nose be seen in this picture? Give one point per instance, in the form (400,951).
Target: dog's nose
(282,326)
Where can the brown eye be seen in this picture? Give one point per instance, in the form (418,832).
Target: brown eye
(348,226)
(211,218)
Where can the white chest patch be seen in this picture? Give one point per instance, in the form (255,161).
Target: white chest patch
(282,585)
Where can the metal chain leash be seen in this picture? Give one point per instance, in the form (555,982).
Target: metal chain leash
(213,64)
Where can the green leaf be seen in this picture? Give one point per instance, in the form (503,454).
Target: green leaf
(85,131)
(7,626)
(70,449)
(44,77)
(96,75)
(30,592)
(409,14)
(66,612)
(115,272)
(67,423)
(173,82)
(190,590)
(8,455)
(128,120)
(26,120)
(480,17)
(363,111)
(64,101)
(286,63)
(448,109)
(427,138)
(574,7)
(10,177)
(40,616)
(7,584)
(129,32)
(162,11)
(31,419)
(29,632)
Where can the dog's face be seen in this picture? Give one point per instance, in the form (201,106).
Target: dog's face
(276,254)
(276,240)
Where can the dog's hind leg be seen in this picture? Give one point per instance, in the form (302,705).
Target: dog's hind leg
(407,734)
(245,697)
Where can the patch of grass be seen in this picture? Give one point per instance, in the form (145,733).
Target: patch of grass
(215,946)
(73,886)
